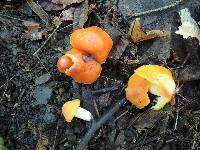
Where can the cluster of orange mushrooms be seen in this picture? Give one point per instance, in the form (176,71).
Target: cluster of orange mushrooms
(91,47)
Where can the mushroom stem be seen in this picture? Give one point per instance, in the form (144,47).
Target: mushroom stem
(83,114)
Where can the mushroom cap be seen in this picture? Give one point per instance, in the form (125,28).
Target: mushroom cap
(84,70)
(136,92)
(69,109)
(94,41)
(160,78)
(157,80)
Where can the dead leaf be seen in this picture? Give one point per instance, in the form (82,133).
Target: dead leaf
(31,25)
(147,119)
(68,14)
(81,14)
(189,27)
(120,138)
(42,143)
(33,31)
(49,6)
(119,48)
(42,79)
(103,100)
(66,2)
(39,11)
(137,34)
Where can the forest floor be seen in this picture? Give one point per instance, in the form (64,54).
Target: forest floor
(32,91)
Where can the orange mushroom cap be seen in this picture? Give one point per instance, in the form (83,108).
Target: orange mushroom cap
(94,41)
(136,92)
(159,81)
(82,68)
(69,109)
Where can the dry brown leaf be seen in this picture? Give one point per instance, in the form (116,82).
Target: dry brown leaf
(66,2)
(137,34)
(33,31)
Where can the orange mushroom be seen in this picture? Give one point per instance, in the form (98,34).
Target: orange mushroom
(94,41)
(72,109)
(157,80)
(78,65)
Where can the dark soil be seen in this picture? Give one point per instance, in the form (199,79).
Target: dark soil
(32,91)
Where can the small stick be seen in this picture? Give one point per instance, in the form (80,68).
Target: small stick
(105,90)
(49,37)
(158,9)
(45,42)
(96,125)
(177,117)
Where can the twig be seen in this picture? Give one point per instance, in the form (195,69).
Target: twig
(39,11)
(42,64)
(105,90)
(124,113)
(194,142)
(157,10)
(7,82)
(2,15)
(45,42)
(56,134)
(177,117)
(96,125)
(95,106)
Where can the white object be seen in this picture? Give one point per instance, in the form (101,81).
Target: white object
(189,27)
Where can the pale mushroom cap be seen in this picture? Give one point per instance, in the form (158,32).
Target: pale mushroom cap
(69,109)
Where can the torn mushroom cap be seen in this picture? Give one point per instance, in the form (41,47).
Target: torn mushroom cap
(136,92)
(160,82)
(69,109)
(94,41)
(82,68)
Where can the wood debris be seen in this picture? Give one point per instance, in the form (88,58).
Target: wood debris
(137,34)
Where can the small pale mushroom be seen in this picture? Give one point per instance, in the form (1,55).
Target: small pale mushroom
(72,109)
